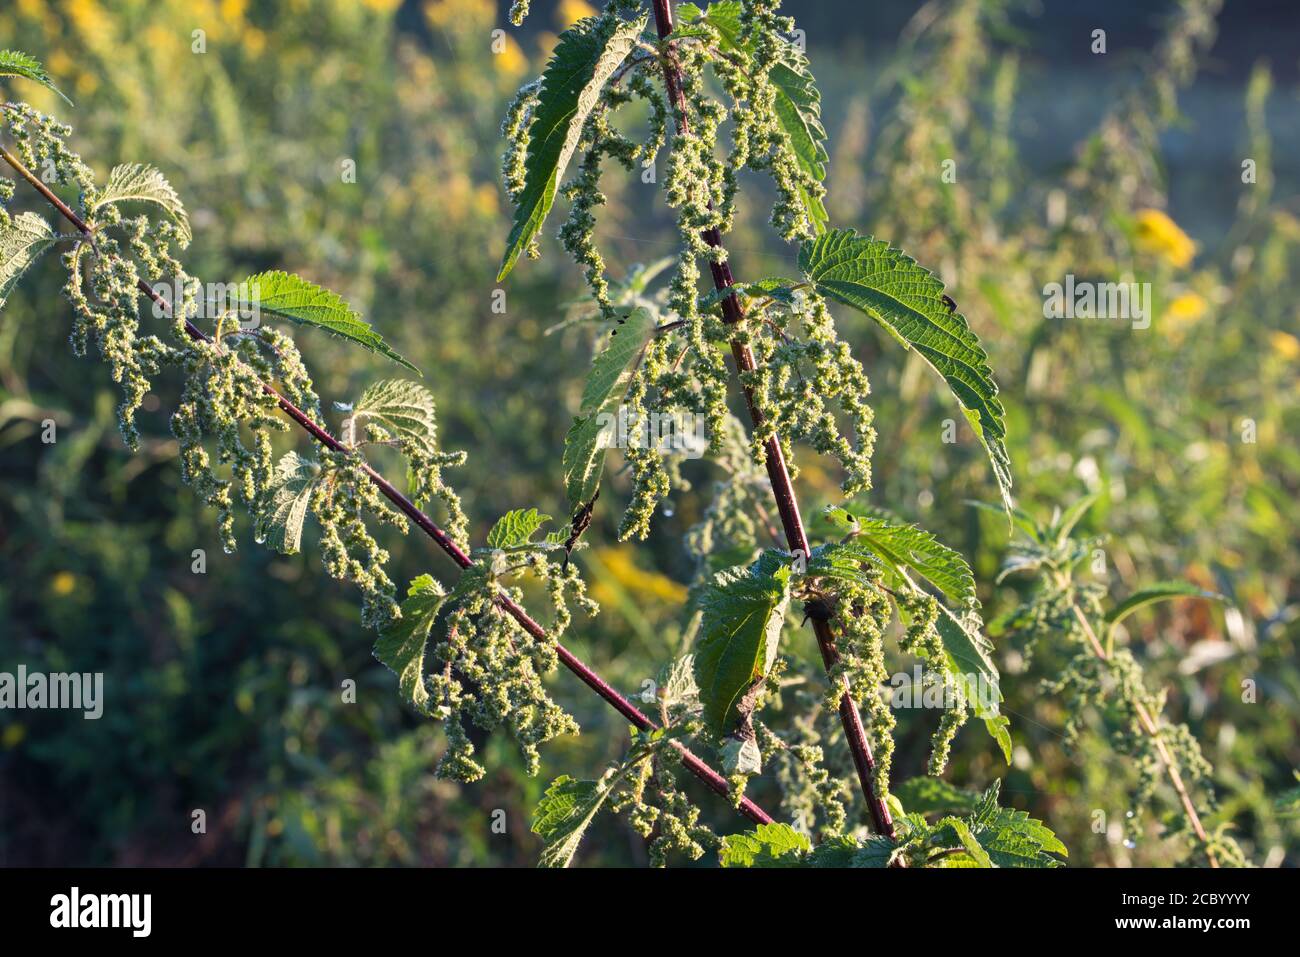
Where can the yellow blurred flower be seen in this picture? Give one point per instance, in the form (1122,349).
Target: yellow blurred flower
(63,583)
(444,13)
(1285,344)
(571,11)
(511,60)
(1160,235)
(89,18)
(31,8)
(232,11)
(622,568)
(487,200)
(254,41)
(13,735)
(1186,310)
(381,6)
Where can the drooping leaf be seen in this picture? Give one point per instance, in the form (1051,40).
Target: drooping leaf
(21,243)
(798,111)
(742,611)
(768,845)
(999,729)
(286,296)
(613,365)
(907,546)
(142,183)
(969,659)
(907,299)
(589,437)
(402,642)
(17,63)
(279,523)
(402,409)
(583,61)
(584,458)
(516,527)
(1161,591)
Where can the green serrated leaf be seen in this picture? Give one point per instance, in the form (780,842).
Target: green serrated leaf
(999,729)
(280,520)
(677,687)
(588,438)
(138,182)
(402,409)
(798,112)
(1161,591)
(580,66)
(969,659)
(907,299)
(979,856)
(613,365)
(402,642)
(17,63)
(569,806)
(286,296)
(1012,838)
(907,546)
(768,845)
(563,815)
(877,851)
(21,243)
(742,611)
(516,527)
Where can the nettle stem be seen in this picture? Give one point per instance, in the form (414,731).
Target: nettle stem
(782,487)
(711,778)
(1147,720)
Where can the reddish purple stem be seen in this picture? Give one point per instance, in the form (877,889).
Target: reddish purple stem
(782,487)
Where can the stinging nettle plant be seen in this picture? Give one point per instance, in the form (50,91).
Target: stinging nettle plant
(663,354)
(723,89)
(471,654)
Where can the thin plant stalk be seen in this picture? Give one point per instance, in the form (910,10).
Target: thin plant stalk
(1147,720)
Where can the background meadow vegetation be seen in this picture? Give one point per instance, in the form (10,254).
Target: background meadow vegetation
(223,688)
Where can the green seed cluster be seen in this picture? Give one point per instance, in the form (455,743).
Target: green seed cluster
(801,377)
(810,792)
(757,141)
(486,670)
(864,618)
(659,810)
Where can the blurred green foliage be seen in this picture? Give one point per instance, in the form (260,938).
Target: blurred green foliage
(225,689)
